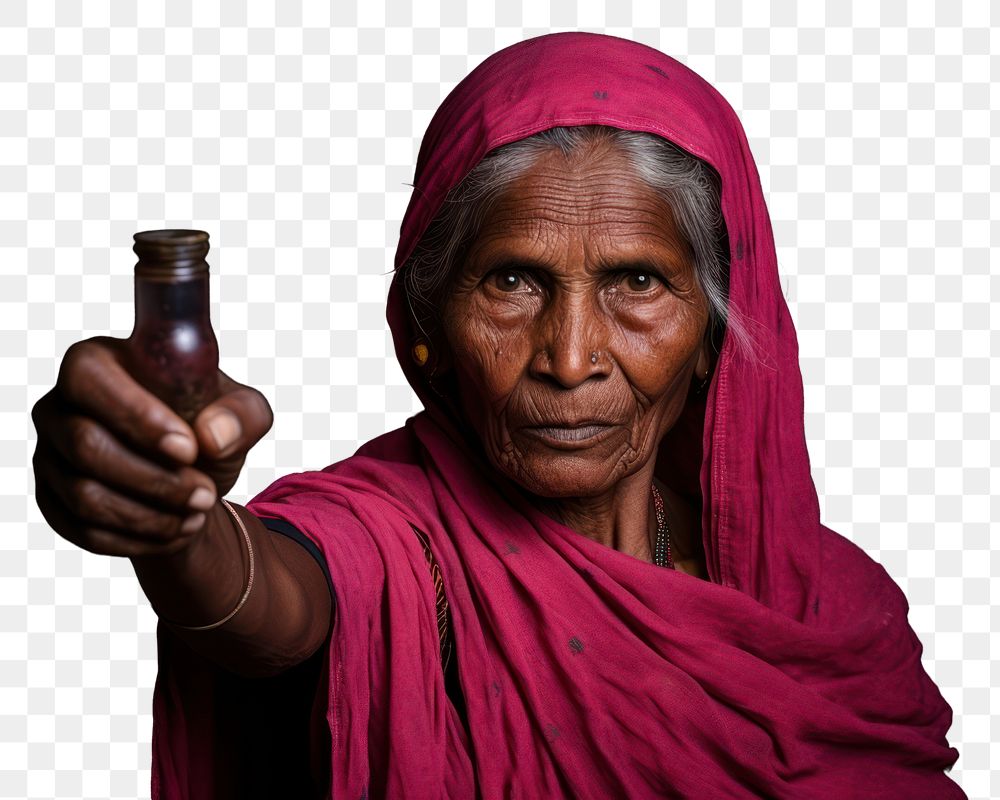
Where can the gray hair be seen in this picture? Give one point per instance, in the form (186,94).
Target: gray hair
(690,186)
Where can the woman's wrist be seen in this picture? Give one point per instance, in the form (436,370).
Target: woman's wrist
(250,577)
(202,583)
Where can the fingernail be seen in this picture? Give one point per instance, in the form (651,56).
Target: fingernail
(201,499)
(225,429)
(178,446)
(191,524)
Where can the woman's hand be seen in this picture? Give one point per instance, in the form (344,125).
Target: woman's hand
(117,472)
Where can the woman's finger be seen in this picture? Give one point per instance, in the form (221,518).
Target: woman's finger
(92,450)
(94,539)
(92,378)
(90,504)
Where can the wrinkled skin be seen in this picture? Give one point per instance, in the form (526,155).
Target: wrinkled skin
(542,288)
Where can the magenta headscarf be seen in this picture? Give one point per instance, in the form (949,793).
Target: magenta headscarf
(791,672)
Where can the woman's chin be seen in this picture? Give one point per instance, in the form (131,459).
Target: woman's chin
(550,468)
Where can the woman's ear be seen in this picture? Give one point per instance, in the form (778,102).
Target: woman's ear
(431,354)
(438,359)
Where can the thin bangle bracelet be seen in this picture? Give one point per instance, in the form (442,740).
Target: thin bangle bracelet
(246,594)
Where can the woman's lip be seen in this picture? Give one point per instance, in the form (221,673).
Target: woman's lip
(569,438)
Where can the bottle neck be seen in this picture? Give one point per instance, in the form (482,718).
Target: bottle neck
(160,300)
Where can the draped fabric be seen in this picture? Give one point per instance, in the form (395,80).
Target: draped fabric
(791,672)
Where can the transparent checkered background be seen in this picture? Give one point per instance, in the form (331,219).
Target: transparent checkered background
(289,134)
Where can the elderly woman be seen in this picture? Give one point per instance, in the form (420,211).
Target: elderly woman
(593,565)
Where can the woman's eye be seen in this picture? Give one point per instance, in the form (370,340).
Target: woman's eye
(510,281)
(639,281)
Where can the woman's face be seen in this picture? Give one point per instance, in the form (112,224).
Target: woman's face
(579,257)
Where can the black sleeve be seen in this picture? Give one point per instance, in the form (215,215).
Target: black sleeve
(280,741)
(289,530)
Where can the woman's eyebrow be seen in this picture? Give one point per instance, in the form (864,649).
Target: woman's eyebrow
(511,262)
(638,265)
(507,261)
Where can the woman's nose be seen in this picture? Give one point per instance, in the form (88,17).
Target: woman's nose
(572,344)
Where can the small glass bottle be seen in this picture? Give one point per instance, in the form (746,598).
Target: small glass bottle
(173,351)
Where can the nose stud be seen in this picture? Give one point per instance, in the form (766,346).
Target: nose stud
(593,358)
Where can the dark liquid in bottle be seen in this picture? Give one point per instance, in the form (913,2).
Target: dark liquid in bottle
(173,350)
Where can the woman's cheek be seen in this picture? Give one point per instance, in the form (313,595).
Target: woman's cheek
(653,362)
(482,358)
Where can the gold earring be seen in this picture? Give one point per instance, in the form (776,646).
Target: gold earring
(421,352)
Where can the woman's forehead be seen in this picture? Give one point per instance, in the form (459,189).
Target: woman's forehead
(610,208)
(553,209)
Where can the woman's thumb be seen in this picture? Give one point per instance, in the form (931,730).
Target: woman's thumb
(232,424)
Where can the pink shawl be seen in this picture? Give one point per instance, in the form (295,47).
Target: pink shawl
(792,672)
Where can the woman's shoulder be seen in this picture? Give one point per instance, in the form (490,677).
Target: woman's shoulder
(385,477)
(390,464)
(399,446)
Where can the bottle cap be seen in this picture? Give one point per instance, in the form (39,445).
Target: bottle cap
(171,253)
